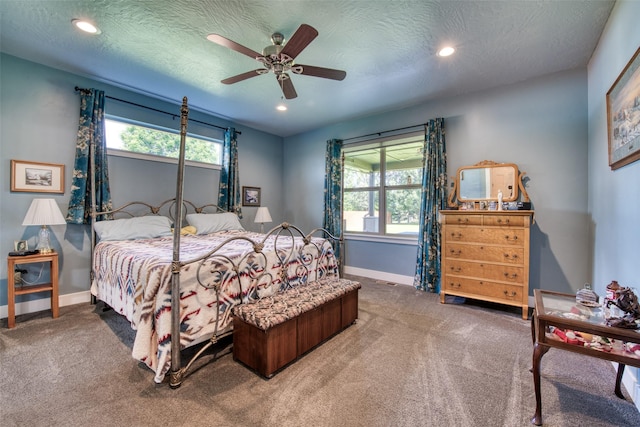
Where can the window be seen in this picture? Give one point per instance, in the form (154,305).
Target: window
(382,179)
(155,143)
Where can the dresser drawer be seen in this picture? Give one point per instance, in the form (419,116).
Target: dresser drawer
(463,219)
(498,236)
(485,270)
(483,289)
(511,255)
(504,220)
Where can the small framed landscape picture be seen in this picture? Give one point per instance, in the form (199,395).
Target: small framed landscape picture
(250,196)
(20,245)
(37,177)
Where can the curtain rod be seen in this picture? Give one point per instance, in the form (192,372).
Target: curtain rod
(175,116)
(384,131)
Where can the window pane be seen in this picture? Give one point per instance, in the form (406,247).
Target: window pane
(140,139)
(403,164)
(403,211)
(362,169)
(361,211)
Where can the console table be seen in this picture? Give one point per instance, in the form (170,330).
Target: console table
(556,310)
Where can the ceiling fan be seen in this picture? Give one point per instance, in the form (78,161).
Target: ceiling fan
(279,59)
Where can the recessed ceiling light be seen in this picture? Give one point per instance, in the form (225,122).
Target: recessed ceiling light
(446,51)
(281,107)
(85,26)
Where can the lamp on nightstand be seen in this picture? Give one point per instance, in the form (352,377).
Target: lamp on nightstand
(44,212)
(263,216)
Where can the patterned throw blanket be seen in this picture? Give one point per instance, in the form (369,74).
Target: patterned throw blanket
(134,278)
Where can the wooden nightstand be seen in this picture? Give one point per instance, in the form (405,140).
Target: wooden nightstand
(12,291)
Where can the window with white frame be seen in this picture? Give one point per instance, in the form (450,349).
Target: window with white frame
(132,139)
(382,186)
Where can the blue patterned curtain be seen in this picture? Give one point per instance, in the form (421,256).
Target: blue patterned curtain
(90,142)
(229,190)
(333,190)
(434,198)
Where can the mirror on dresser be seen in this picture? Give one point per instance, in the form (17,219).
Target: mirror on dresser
(482,183)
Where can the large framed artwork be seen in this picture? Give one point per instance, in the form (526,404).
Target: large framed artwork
(250,196)
(623,115)
(37,177)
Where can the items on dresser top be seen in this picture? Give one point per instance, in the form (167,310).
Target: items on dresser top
(488,185)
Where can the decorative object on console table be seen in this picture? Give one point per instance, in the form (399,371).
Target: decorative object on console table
(250,196)
(485,256)
(622,123)
(44,212)
(37,177)
(262,216)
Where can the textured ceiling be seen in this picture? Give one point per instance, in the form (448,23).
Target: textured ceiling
(387,48)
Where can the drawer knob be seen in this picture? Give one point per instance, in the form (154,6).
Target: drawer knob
(513,257)
(455,285)
(456,253)
(513,294)
(461,220)
(510,276)
(511,238)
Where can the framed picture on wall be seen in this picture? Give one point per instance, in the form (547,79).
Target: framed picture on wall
(623,115)
(250,196)
(37,177)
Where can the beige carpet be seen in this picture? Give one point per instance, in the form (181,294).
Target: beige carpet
(408,361)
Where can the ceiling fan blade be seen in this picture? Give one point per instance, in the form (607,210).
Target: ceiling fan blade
(299,40)
(326,73)
(222,41)
(244,76)
(286,85)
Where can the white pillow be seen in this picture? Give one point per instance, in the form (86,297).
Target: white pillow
(144,227)
(211,223)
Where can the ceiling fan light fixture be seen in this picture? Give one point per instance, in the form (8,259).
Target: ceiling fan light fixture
(86,26)
(281,107)
(446,51)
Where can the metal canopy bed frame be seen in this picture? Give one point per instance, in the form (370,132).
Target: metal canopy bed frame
(252,270)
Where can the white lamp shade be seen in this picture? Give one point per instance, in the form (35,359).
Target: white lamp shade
(44,212)
(263,215)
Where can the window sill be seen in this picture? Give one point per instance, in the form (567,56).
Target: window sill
(397,240)
(158,159)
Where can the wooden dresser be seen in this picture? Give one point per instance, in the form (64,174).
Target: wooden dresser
(485,256)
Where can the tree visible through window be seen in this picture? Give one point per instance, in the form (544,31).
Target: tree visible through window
(145,140)
(382,186)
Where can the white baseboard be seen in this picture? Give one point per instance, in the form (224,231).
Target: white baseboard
(379,275)
(45,303)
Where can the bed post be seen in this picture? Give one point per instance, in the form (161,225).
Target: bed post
(93,216)
(341,243)
(175,379)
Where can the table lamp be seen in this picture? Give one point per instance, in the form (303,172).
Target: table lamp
(263,216)
(44,212)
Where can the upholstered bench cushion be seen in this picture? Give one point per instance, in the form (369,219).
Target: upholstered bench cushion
(267,312)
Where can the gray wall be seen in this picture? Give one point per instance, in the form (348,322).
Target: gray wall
(39,118)
(614,196)
(541,125)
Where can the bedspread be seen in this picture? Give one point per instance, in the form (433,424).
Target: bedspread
(134,278)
